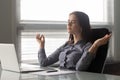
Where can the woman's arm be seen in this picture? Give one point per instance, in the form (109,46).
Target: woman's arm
(89,53)
(43,59)
(85,59)
(46,61)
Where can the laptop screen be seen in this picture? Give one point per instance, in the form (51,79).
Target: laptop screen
(8,57)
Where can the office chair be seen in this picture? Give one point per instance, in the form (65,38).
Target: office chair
(97,64)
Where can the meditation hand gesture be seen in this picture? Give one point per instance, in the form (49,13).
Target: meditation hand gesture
(41,40)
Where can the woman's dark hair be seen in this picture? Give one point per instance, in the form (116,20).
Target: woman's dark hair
(83,21)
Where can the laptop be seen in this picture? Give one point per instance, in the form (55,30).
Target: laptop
(9,60)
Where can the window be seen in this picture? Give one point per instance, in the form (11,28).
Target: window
(49,18)
(58,10)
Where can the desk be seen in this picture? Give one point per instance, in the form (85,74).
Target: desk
(8,75)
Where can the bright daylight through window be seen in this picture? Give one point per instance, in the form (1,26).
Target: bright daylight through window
(58,10)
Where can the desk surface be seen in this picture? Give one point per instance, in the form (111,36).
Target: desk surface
(8,75)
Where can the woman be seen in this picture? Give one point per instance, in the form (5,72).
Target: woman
(77,53)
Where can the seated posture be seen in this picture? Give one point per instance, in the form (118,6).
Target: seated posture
(78,52)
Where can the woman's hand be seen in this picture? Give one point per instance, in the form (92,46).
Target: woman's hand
(41,40)
(98,43)
(102,41)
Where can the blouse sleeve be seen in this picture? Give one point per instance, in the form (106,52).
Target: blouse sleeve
(85,59)
(54,57)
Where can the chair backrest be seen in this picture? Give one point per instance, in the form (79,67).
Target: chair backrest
(97,64)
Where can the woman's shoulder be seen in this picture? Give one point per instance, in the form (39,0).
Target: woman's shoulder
(84,43)
(87,45)
(63,45)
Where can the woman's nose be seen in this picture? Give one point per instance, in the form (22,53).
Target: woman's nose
(69,23)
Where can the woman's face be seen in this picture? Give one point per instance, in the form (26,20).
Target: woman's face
(73,26)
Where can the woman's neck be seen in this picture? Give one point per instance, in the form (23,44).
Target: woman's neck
(77,38)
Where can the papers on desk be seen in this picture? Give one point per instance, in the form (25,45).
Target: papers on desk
(56,72)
